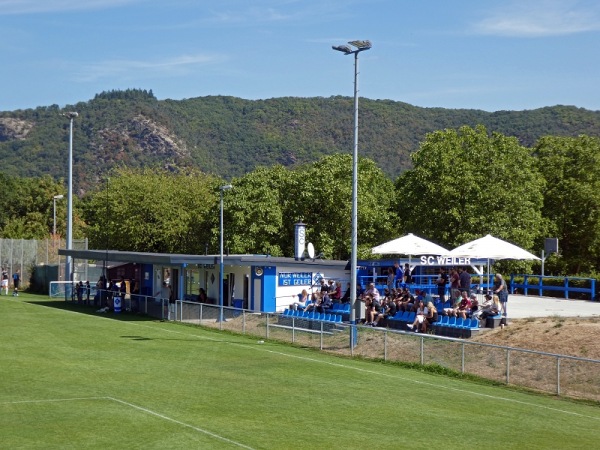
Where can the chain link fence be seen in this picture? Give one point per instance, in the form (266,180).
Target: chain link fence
(25,254)
(551,373)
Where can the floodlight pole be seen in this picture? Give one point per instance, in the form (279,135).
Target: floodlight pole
(359,46)
(221,264)
(68,268)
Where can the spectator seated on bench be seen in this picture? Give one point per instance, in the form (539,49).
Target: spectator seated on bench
(388,309)
(315,299)
(491,307)
(464,306)
(302,302)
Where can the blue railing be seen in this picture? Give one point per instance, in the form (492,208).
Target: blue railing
(539,287)
(427,283)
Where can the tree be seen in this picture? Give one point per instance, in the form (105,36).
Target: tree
(252,211)
(26,207)
(152,211)
(571,167)
(467,183)
(321,196)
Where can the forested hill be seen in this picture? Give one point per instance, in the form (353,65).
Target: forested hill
(230,136)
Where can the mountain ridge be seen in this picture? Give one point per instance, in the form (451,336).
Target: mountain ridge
(230,136)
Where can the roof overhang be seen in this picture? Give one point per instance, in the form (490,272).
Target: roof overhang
(169,259)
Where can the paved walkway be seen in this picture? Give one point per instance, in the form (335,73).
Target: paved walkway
(521,307)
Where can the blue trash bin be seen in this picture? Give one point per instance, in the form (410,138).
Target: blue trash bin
(238,304)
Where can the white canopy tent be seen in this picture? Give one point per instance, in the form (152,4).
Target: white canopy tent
(410,245)
(490,247)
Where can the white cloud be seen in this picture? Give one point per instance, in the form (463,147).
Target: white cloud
(541,18)
(44,6)
(132,69)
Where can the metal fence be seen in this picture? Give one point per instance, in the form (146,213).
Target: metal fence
(158,308)
(24,254)
(552,373)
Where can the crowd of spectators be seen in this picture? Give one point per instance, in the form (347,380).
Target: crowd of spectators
(397,296)
(323,298)
(462,302)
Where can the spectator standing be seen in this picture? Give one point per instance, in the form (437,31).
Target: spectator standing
(135,296)
(80,292)
(165,291)
(407,274)
(441,283)
(203,298)
(88,291)
(454,285)
(501,290)
(464,278)
(399,277)
(390,278)
(4,281)
(16,282)
(122,289)
(324,286)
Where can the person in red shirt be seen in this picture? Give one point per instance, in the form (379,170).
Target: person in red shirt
(464,307)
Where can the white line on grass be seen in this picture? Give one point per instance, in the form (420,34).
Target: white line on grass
(162,416)
(262,348)
(52,400)
(139,408)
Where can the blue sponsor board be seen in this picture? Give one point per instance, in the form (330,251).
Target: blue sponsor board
(295,278)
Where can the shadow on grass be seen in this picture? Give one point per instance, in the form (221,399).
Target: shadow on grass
(90,310)
(138,338)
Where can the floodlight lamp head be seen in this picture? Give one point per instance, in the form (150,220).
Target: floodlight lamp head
(71,114)
(58,197)
(226,187)
(342,48)
(361,45)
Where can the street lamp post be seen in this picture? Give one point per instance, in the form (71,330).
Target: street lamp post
(354,48)
(221,265)
(68,275)
(54,198)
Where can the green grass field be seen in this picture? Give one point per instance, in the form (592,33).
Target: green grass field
(73,378)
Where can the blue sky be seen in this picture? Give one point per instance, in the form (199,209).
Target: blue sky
(484,54)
